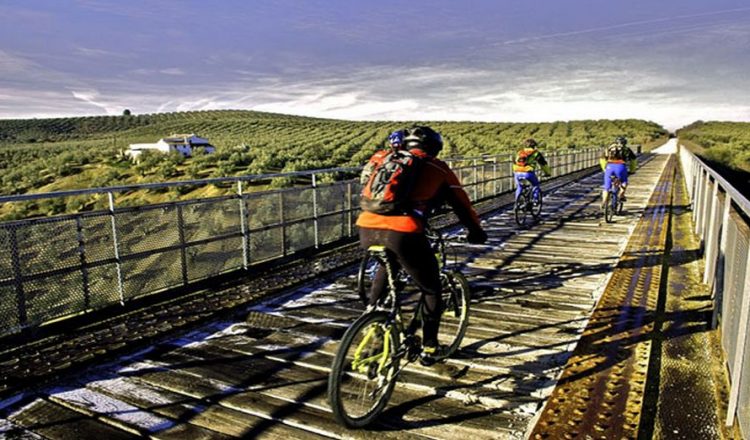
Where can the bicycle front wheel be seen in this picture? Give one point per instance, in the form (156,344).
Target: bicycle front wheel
(363,372)
(519,210)
(610,207)
(536,205)
(456,300)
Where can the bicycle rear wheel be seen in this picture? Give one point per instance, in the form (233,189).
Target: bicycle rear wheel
(363,370)
(519,210)
(456,304)
(610,207)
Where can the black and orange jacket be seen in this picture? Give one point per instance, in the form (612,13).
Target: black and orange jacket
(436,184)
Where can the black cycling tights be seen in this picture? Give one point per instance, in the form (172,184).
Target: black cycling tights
(414,254)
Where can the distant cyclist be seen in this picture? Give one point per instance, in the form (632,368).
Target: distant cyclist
(616,160)
(396,140)
(528,160)
(403,232)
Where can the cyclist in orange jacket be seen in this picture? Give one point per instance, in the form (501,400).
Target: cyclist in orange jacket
(403,233)
(528,160)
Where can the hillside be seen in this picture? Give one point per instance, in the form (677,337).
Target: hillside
(725,146)
(41,155)
(727,143)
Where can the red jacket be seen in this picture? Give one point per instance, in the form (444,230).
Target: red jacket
(436,184)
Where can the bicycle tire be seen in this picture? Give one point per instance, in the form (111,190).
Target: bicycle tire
(519,210)
(536,210)
(343,381)
(457,307)
(609,209)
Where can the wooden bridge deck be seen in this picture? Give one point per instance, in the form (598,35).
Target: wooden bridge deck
(265,377)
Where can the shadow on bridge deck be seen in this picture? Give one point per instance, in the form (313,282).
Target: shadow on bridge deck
(265,374)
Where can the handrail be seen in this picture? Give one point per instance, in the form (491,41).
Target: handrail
(737,197)
(726,241)
(219,180)
(64,265)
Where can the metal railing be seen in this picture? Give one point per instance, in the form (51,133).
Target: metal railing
(721,215)
(55,267)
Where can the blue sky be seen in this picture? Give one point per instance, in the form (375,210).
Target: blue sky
(671,61)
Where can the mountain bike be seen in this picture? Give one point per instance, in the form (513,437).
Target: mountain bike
(614,204)
(527,202)
(455,287)
(380,343)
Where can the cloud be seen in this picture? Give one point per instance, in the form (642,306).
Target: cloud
(419,93)
(90,52)
(172,71)
(93,97)
(631,24)
(12,64)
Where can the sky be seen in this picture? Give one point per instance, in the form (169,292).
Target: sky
(670,61)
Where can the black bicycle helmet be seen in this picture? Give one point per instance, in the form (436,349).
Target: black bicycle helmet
(530,143)
(423,137)
(621,140)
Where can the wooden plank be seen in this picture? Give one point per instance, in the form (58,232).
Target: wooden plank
(53,421)
(110,410)
(9,430)
(189,431)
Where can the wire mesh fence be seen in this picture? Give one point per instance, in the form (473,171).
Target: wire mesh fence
(721,214)
(69,264)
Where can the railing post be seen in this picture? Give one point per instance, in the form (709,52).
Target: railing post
(711,232)
(494,177)
(719,295)
(82,259)
(243,228)
(739,353)
(18,278)
(116,248)
(349,208)
(697,205)
(693,178)
(183,250)
(315,211)
(706,206)
(282,220)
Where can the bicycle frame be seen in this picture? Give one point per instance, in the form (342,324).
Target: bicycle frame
(614,190)
(360,365)
(525,190)
(391,304)
(380,344)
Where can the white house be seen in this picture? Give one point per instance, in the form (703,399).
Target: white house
(182,143)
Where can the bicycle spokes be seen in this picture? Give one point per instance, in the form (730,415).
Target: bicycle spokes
(372,352)
(362,373)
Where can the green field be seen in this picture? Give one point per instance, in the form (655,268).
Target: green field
(42,155)
(726,143)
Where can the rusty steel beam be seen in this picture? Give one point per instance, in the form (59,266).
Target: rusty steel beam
(600,392)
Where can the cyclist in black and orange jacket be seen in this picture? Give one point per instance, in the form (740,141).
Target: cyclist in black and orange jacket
(403,233)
